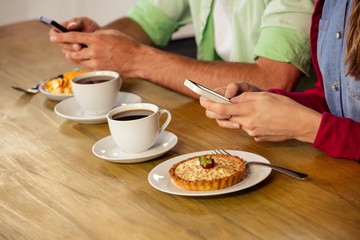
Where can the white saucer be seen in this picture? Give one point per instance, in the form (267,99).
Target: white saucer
(160,179)
(107,149)
(70,109)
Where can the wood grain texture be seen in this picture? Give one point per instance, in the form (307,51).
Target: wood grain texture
(53,187)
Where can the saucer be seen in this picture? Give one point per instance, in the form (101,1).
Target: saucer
(70,109)
(107,149)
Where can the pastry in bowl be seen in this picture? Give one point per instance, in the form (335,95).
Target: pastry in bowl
(208,172)
(59,88)
(62,83)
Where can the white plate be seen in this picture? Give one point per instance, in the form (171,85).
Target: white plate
(107,149)
(53,96)
(160,179)
(70,109)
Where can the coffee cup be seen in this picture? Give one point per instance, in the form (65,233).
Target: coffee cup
(135,127)
(96,91)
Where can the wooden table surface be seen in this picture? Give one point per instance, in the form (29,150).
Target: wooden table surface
(53,187)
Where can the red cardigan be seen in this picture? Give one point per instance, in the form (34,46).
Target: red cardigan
(337,136)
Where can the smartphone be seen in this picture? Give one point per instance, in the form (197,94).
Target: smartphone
(57,26)
(53,23)
(203,91)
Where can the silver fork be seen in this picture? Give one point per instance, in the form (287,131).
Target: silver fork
(286,171)
(33,90)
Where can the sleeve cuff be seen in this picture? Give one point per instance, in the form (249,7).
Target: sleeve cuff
(338,137)
(285,45)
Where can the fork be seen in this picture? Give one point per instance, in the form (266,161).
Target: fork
(286,171)
(33,90)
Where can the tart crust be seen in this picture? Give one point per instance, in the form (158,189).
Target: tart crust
(227,171)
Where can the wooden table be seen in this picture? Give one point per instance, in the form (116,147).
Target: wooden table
(53,187)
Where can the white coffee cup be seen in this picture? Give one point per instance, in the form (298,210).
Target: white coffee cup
(96,91)
(135,127)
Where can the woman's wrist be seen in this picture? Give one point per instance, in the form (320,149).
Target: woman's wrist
(309,127)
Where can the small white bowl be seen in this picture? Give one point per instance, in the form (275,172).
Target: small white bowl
(53,96)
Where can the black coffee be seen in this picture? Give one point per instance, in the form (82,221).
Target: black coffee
(132,115)
(94,80)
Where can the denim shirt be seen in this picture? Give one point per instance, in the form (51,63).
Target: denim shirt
(342,92)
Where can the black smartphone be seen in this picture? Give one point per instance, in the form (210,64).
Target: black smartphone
(53,23)
(204,91)
(57,26)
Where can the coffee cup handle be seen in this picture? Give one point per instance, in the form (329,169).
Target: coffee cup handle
(166,123)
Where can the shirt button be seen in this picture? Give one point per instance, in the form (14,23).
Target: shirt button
(335,86)
(338,35)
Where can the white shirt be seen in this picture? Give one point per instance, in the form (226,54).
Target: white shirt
(222,28)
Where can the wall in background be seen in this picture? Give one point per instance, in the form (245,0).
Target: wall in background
(103,11)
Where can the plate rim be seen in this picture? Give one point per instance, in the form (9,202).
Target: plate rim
(183,192)
(141,159)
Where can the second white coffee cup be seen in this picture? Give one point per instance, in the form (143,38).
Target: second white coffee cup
(135,127)
(96,91)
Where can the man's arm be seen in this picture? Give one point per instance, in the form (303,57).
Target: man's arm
(112,50)
(264,73)
(170,70)
(131,28)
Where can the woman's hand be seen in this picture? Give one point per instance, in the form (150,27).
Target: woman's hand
(232,90)
(266,116)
